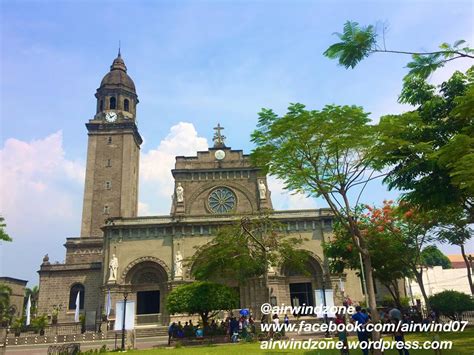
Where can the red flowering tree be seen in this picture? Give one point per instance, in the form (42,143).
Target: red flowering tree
(395,236)
(410,226)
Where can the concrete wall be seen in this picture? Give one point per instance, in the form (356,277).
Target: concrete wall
(56,281)
(436,280)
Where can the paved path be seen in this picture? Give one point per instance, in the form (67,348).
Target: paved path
(41,349)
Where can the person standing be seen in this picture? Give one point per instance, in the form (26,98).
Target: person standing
(361,318)
(342,333)
(171,331)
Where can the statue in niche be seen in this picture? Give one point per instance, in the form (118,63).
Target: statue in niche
(113,267)
(179,193)
(262,189)
(178,265)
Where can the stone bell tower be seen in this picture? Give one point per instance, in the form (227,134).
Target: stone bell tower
(111,186)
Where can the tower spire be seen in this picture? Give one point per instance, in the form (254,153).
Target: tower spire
(119,55)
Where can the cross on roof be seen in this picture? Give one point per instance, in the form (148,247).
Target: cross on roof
(218,137)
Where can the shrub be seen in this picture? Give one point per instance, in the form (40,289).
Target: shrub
(39,323)
(451,304)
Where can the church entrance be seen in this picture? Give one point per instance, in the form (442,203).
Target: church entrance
(148,281)
(301,294)
(301,285)
(148,302)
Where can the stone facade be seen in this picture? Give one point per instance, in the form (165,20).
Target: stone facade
(17,296)
(111,189)
(214,188)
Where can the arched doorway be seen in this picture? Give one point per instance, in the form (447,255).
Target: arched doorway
(301,285)
(148,280)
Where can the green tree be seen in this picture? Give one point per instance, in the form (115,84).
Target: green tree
(451,303)
(3,234)
(246,250)
(203,298)
(386,252)
(39,323)
(432,256)
(416,146)
(457,231)
(5,308)
(358,42)
(302,149)
(430,151)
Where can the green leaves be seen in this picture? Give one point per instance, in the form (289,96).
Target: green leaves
(316,152)
(430,151)
(237,256)
(201,297)
(356,44)
(230,254)
(451,303)
(424,64)
(432,256)
(5,294)
(3,234)
(359,42)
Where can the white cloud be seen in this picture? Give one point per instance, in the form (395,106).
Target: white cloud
(283,199)
(33,174)
(156,185)
(41,200)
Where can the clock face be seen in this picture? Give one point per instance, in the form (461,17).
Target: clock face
(110,116)
(219,154)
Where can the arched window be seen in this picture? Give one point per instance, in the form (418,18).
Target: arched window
(113,103)
(126,105)
(73,296)
(101,105)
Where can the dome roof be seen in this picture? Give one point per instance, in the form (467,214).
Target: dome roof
(118,77)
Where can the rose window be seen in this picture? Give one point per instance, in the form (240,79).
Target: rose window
(221,200)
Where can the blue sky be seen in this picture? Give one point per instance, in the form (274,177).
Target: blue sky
(194,63)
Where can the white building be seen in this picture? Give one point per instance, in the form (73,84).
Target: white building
(436,279)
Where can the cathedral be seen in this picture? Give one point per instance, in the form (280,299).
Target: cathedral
(120,253)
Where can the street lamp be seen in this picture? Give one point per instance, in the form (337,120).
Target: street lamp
(125,295)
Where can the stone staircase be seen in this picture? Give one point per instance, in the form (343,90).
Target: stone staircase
(153,331)
(143,332)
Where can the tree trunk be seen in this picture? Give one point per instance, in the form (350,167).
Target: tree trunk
(468,266)
(369,282)
(419,280)
(396,289)
(205,319)
(395,294)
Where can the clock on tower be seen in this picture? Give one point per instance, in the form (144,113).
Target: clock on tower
(111,187)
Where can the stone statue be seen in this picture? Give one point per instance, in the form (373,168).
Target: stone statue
(178,265)
(179,193)
(271,269)
(262,189)
(113,266)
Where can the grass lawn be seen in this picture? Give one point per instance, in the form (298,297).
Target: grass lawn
(463,343)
